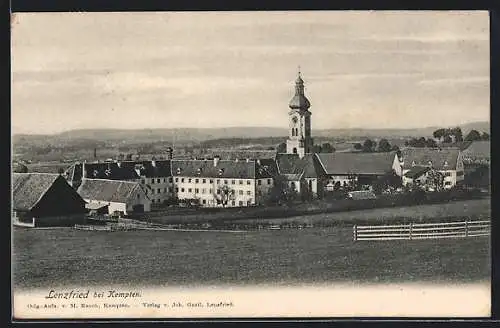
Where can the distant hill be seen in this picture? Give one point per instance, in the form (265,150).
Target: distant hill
(198,135)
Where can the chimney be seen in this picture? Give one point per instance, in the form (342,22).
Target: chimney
(236,160)
(258,162)
(170,152)
(248,160)
(119,163)
(216,160)
(153,163)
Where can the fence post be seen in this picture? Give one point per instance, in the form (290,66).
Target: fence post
(466,228)
(411,229)
(355,232)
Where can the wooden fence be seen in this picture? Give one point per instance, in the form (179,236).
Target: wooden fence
(413,231)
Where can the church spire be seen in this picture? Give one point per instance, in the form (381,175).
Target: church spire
(299,84)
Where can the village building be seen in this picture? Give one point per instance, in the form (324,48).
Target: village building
(302,175)
(477,164)
(120,197)
(43,199)
(345,169)
(226,183)
(418,163)
(477,153)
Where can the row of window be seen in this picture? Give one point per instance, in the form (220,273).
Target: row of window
(158,180)
(204,191)
(218,181)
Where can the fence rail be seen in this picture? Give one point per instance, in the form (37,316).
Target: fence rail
(411,231)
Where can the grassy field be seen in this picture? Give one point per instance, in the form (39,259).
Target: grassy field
(476,209)
(65,257)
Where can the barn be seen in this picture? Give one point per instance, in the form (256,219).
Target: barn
(45,199)
(124,197)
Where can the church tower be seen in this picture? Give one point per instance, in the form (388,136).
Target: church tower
(299,122)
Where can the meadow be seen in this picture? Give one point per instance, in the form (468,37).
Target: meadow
(68,257)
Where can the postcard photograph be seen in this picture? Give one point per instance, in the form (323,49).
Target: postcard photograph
(250,164)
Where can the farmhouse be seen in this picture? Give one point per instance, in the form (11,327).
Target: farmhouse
(477,153)
(124,197)
(343,169)
(446,161)
(43,199)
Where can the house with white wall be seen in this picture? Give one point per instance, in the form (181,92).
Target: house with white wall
(446,161)
(125,197)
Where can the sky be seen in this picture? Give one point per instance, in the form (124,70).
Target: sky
(223,69)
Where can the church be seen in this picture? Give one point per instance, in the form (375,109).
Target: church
(216,182)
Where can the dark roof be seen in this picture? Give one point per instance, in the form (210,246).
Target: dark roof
(123,170)
(357,163)
(417,171)
(28,188)
(477,150)
(239,169)
(108,190)
(299,101)
(440,158)
(292,167)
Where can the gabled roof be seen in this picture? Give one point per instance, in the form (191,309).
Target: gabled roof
(292,167)
(477,150)
(439,158)
(28,188)
(357,163)
(241,169)
(417,171)
(108,190)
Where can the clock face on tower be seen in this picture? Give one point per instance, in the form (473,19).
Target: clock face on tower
(294,119)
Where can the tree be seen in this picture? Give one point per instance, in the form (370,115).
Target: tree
(447,139)
(327,148)
(128,157)
(224,194)
(384,146)
(395,148)
(473,136)
(485,136)
(390,179)
(358,146)
(430,143)
(369,146)
(316,149)
(281,148)
(281,191)
(457,133)
(439,134)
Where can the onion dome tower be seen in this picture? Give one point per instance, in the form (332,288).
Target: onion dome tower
(299,121)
